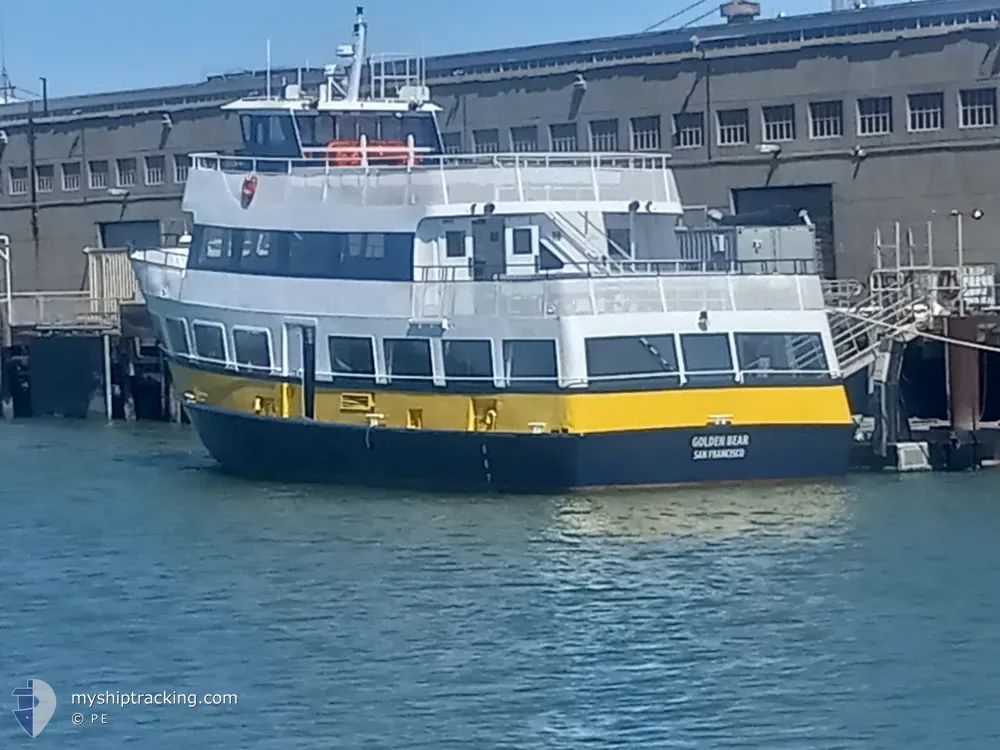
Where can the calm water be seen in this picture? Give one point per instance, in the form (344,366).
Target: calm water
(855,616)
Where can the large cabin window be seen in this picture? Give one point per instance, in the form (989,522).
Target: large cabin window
(766,357)
(468,363)
(627,362)
(707,359)
(177,336)
(353,359)
(408,359)
(269,134)
(252,347)
(210,341)
(530,363)
(375,256)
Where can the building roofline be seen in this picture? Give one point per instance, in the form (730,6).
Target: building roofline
(222,88)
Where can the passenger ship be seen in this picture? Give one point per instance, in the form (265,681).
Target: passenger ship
(356,305)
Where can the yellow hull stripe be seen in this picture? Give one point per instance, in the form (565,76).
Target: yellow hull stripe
(518,412)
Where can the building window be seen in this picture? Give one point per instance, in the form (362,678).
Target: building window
(454,244)
(182,164)
(604,135)
(524,138)
(210,341)
(779,123)
(451,143)
(408,359)
(352,357)
(468,362)
(707,358)
(18,180)
(645,133)
(126,169)
(734,127)
(529,362)
(689,130)
(875,116)
(648,361)
(98,171)
(977,108)
(252,347)
(826,119)
(72,171)
(486,141)
(925,112)
(563,137)
(45,177)
(156,167)
(177,336)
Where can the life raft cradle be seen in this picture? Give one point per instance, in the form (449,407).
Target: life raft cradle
(342,153)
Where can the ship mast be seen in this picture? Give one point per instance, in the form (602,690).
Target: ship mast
(357,63)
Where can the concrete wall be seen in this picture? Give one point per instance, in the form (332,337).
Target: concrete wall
(904,176)
(69,219)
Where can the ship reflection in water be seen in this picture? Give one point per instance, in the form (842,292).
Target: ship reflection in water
(711,514)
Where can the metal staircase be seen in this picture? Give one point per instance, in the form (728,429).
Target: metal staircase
(891,311)
(593,258)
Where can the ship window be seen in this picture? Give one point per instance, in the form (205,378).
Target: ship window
(522,241)
(252,346)
(210,248)
(269,135)
(632,361)
(767,357)
(408,358)
(352,357)
(311,254)
(454,243)
(468,362)
(177,336)
(255,251)
(707,358)
(210,341)
(528,362)
(352,127)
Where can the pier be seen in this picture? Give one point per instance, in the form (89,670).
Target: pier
(88,353)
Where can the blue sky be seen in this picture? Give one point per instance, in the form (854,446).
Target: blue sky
(85,46)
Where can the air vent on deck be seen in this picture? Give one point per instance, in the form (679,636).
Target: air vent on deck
(739,11)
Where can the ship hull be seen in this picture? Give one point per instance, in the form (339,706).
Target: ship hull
(262,447)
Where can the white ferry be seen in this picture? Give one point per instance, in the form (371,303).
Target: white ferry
(358,306)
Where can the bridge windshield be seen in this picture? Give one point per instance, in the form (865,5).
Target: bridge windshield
(319,128)
(269,134)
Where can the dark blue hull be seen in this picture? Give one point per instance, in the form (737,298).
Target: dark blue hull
(302,450)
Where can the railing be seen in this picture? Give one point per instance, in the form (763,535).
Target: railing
(473,271)
(64,310)
(406,175)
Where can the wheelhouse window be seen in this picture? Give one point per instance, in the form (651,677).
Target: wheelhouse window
(211,248)
(408,359)
(352,358)
(454,244)
(177,336)
(633,361)
(390,126)
(707,358)
(530,362)
(210,341)
(269,134)
(468,363)
(252,347)
(781,356)
(255,251)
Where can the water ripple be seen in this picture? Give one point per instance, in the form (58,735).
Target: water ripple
(851,615)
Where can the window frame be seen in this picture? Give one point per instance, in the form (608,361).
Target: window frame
(195,322)
(188,338)
(472,382)
(420,379)
(353,380)
(270,367)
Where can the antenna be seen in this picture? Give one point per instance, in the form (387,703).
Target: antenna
(268,68)
(360,36)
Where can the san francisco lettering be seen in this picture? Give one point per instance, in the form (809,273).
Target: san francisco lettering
(726,446)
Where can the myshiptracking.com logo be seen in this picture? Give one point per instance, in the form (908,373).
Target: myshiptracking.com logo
(36,702)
